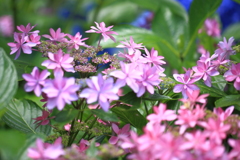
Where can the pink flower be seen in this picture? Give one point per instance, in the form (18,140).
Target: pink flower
(105,31)
(76,41)
(56,36)
(35,80)
(34,39)
(204,71)
(101,90)
(26,30)
(215,129)
(128,75)
(121,133)
(131,46)
(222,115)
(187,85)
(235,144)
(161,114)
(21,44)
(212,27)
(233,74)
(59,61)
(46,151)
(6,25)
(60,91)
(43,120)
(225,48)
(84,145)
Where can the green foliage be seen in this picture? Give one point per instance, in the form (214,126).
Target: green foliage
(20,114)
(106,116)
(66,116)
(232,30)
(229,100)
(212,91)
(8,79)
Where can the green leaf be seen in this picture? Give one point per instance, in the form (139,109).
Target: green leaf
(219,81)
(228,100)
(147,4)
(21,68)
(20,114)
(132,99)
(156,97)
(8,79)
(130,116)
(66,115)
(199,11)
(170,21)
(149,39)
(212,91)
(107,116)
(232,31)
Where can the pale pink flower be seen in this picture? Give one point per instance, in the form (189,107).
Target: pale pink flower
(21,44)
(225,48)
(34,38)
(212,27)
(57,36)
(26,30)
(187,85)
(105,31)
(222,115)
(76,41)
(100,90)
(201,50)
(6,25)
(84,145)
(161,114)
(233,74)
(131,46)
(44,151)
(35,81)
(44,119)
(59,61)
(235,144)
(120,133)
(60,91)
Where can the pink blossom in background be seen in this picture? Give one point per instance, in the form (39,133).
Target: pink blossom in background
(26,30)
(120,133)
(84,145)
(6,25)
(46,151)
(57,36)
(21,44)
(131,46)
(161,113)
(35,81)
(100,90)
(59,61)
(187,85)
(201,50)
(233,74)
(105,31)
(76,41)
(60,91)
(43,120)
(212,27)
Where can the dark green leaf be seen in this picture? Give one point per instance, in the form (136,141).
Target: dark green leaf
(156,97)
(132,99)
(21,68)
(213,91)
(66,115)
(199,11)
(130,116)
(106,116)
(19,115)
(147,4)
(8,79)
(232,31)
(228,100)
(219,81)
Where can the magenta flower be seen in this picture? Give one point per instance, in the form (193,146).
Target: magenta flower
(46,151)
(101,90)
(212,27)
(225,48)
(84,145)
(120,133)
(56,36)
(60,91)
(128,75)
(222,115)
(194,98)
(35,80)
(105,31)
(34,39)
(21,44)
(131,46)
(187,85)
(26,30)
(76,41)
(43,120)
(235,144)
(59,61)
(205,71)
(233,74)
(161,114)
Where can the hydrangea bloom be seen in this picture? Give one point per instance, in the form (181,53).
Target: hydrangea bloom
(121,133)
(105,31)
(131,46)
(59,61)
(60,91)
(233,74)
(26,30)
(57,36)
(212,27)
(76,41)
(101,90)
(43,120)
(35,81)
(21,44)
(225,48)
(46,150)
